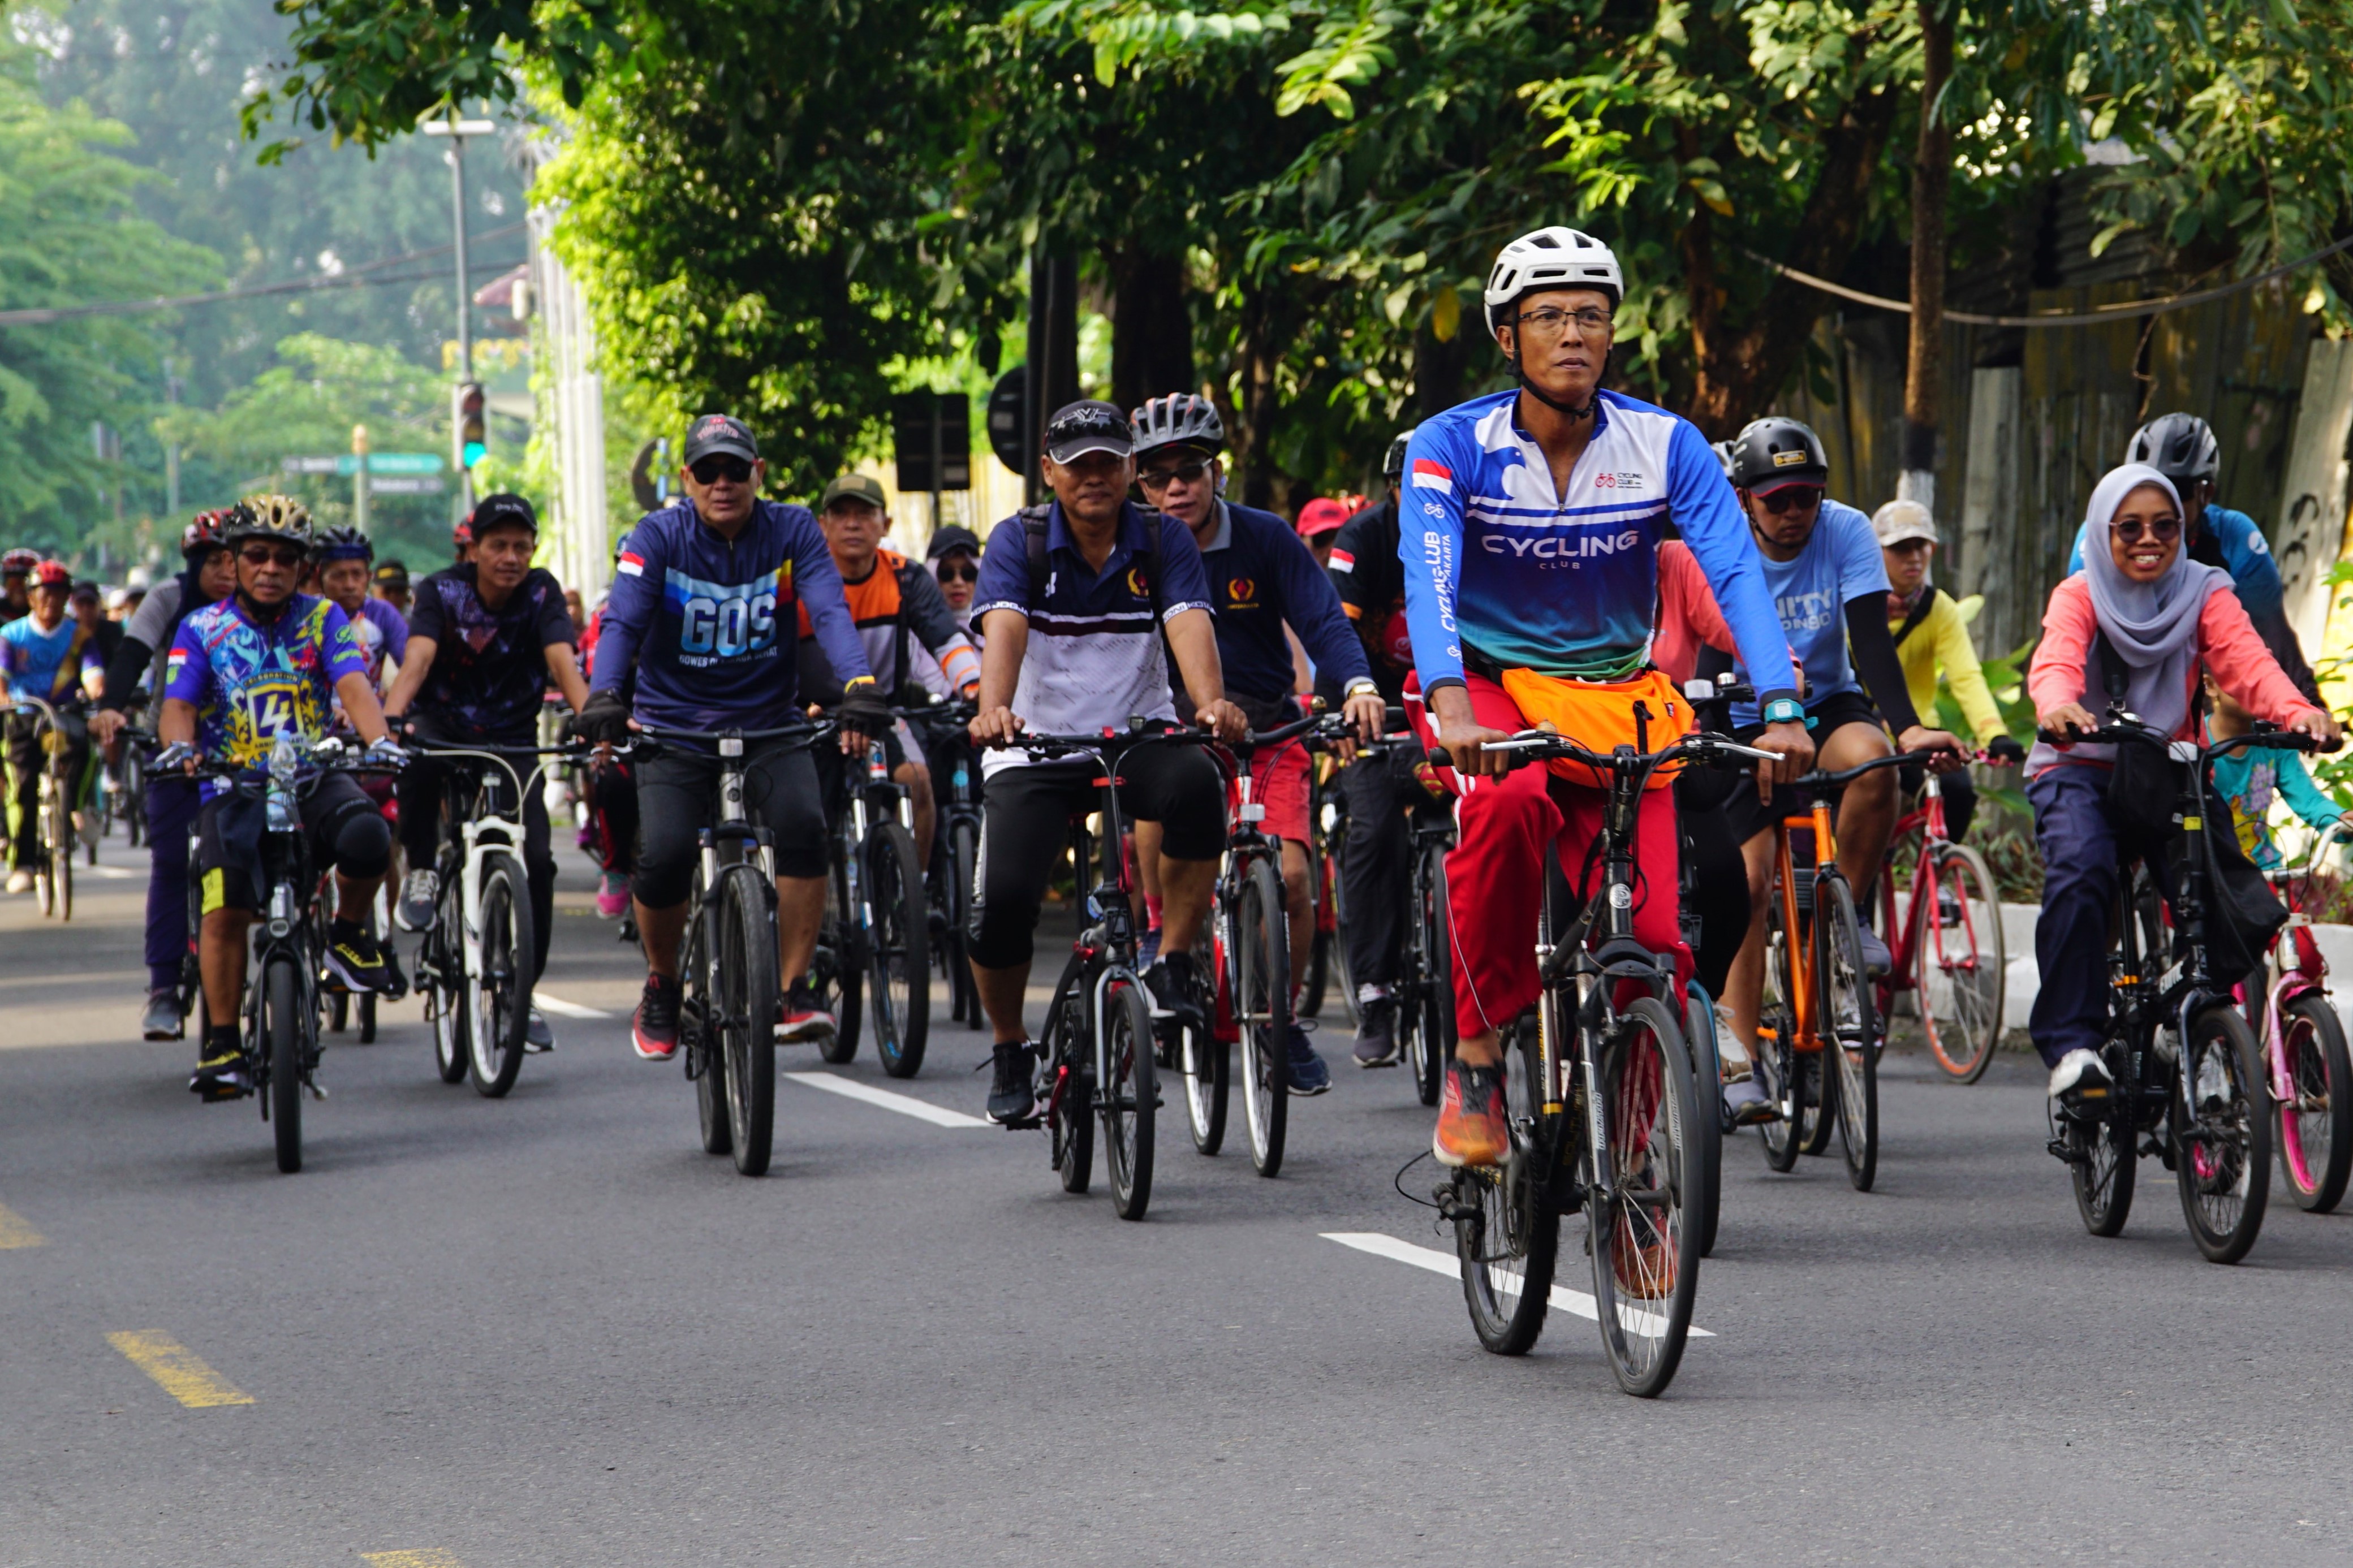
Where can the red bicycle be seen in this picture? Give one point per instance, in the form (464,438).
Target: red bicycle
(1945,937)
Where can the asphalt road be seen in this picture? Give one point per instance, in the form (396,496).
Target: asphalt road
(549,1331)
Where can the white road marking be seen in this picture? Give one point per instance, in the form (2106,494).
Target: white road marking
(905,1105)
(563,1009)
(1446,1263)
(107,873)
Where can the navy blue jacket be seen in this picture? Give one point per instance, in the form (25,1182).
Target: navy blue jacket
(1261,574)
(714,622)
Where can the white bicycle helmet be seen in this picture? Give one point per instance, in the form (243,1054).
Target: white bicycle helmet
(1552,258)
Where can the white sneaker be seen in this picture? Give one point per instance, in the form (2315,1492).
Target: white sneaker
(416,896)
(2080,1076)
(20,881)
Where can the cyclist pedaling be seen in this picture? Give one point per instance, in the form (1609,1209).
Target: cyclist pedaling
(1531,582)
(484,639)
(703,610)
(1261,577)
(45,654)
(2143,621)
(891,599)
(2182,447)
(210,576)
(16,583)
(1821,566)
(1074,597)
(265,662)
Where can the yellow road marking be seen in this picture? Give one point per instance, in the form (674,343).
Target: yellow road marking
(176,1369)
(411,1560)
(15,1232)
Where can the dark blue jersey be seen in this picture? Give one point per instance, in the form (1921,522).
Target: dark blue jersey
(1261,576)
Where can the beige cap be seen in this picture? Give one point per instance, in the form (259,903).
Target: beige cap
(1900,520)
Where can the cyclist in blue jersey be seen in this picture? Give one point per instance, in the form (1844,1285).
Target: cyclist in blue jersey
(265,661)
(702,615)
(1823,567)
(1263,578)
(2182,447)
(48,655)
(1530,526)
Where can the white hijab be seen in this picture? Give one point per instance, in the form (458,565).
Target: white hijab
(2153,626)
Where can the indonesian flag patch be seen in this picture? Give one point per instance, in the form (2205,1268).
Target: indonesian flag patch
(1429,475)
(631,565)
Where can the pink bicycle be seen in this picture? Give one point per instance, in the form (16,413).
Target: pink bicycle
(2305,1053)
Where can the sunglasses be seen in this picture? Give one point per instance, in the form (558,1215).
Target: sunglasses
(1794,498)
(2163,530)
(1184,473)
(967,572)
(711,470)
(272,555)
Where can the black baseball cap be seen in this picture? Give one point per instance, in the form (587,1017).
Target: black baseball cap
(503,510)
(1088,426)
(854,487)
(720,433)
(951,539)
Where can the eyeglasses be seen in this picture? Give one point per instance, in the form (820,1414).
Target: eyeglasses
(1184,473)
(1794,498)
(967,572)
(2163,530)
(272,555)
(711,470)
(1551,320)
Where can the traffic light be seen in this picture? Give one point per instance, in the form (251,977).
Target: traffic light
(466,412)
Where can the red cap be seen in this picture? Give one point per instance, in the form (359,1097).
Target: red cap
(1322,515)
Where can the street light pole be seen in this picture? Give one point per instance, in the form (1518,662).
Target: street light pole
(457,130)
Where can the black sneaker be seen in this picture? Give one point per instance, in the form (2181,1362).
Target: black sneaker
(1375,1043)
(653,1028)
(1175,988)
(1013,1094)
(353,957)
(220,1076)
(804,1016)
(1309,1076)
(538,1039)
(161,1021)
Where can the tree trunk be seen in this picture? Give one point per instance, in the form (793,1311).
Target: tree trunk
(1438,367)
(1739,371)
(1932,180)
(1152,329)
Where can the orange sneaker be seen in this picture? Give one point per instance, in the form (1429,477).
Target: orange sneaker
(1645,1271)
(1471,1128)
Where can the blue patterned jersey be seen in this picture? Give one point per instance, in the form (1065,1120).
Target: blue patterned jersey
(250,680)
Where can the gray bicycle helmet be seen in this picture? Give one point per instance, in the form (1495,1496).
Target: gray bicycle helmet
(1393,460)
(1722,451)
(1180,419)
(1774,451)
(2181,447)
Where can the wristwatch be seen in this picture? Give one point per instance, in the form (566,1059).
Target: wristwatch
(1361,683)
(1785,710)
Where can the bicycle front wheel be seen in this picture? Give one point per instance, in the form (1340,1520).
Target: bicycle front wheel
(840,969)
(2098,1145)
(1506,1230)
(1130,1096)
(1203,1062)
(281,1037)
(1774,1058)
(1643,1237)
(1959,964)
(1850,1029)
(1259,990)
(499,1005)
(2221,1142)
(1708,1113)
(2315,1122)
(964,856)
(898,956)
(1070,1088)
(446,1000)
(743,991)
(1430,1032)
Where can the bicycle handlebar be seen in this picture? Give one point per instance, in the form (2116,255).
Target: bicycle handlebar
(2128,728)
(1818,780)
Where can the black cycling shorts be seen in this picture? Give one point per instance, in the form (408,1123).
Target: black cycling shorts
(347,832)
(1751,817)
(677,798)
(1026,823)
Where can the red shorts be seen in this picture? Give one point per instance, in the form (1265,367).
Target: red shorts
(1279,783)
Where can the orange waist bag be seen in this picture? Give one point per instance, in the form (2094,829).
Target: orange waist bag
(1599,716)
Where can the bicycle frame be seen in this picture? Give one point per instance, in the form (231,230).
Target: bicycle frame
(2291,980)
(1799,932)
(485,831)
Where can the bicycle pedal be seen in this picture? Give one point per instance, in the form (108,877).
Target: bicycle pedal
(1023,1124)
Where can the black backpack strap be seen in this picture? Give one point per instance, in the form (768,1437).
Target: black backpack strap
(1917,614)
(2115,679)
(1033,530)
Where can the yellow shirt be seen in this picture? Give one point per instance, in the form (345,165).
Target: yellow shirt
(1942,638)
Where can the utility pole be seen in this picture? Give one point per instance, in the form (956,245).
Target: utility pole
(170,448)
(457,130)
(359,478)
(1932,180)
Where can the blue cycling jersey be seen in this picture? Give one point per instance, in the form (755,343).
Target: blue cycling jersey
(1568,584)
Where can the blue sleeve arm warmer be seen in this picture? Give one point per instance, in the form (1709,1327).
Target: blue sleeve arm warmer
(1703,507)
(1430,548)
(1312,605)
(628,612)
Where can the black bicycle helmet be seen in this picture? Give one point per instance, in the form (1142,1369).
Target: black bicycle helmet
(1180,419)
(2181,447)
(342,544)
(268,517)
(1393,460)
(1774,451)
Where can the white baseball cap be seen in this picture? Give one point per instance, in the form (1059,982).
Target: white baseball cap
(1899,521)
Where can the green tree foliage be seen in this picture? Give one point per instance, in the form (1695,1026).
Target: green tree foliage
(70,233)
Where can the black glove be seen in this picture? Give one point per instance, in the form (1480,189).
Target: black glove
(606,718)
(2005,751)
(863,710)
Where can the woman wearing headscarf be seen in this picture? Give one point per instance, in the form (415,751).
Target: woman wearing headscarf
(2170,621)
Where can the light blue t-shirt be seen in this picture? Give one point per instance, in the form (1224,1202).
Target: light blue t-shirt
(35,660)
(1841,562)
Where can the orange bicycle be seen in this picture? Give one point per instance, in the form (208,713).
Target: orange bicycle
(1818,994)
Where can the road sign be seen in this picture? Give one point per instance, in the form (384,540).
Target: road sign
(929,425)
(378,463)
(405,484)
(1007,400)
